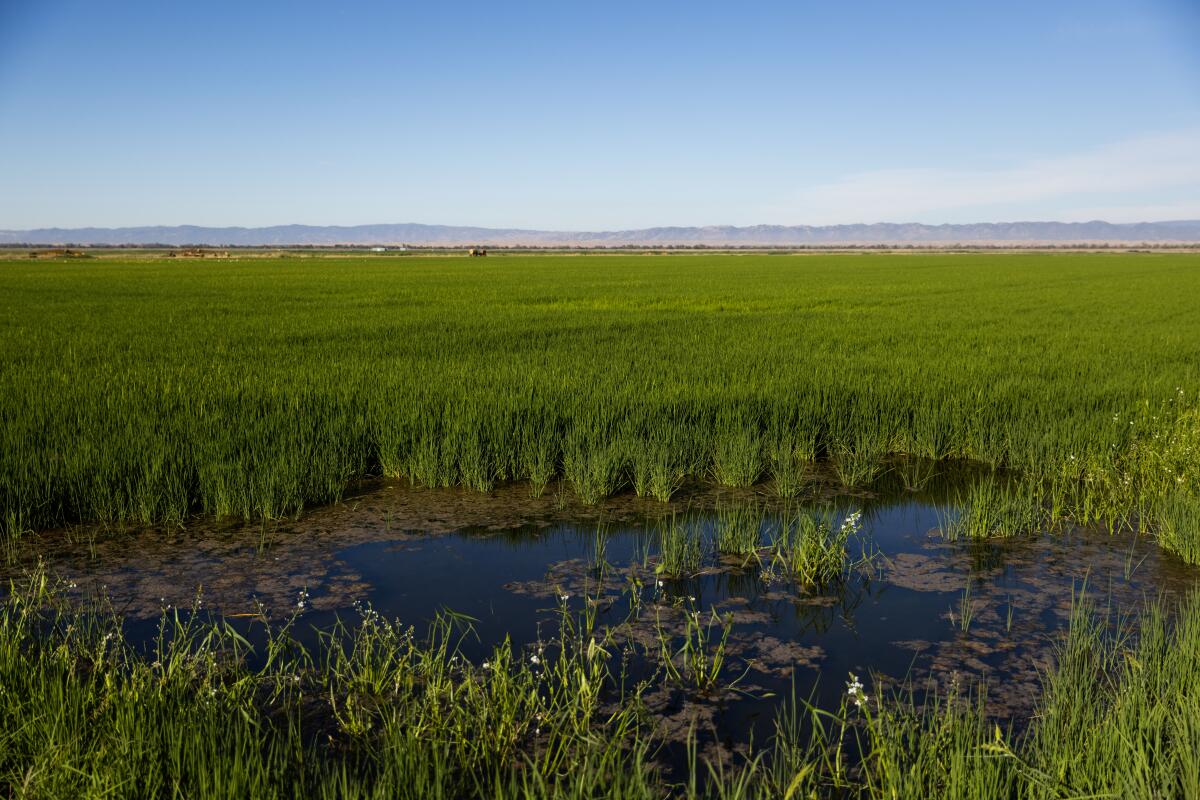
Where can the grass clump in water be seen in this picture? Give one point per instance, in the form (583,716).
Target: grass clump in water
(993,509)
(700,658)
(812,550)
(739,530)
(1179,525)
(679,547)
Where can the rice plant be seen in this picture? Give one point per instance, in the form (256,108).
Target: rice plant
(739,530)
(679,547)
(994,509)
(966,609)
(12,528)
(812,550)
(916,473)
(537,458)
(792,457)
(857,466)
(737,454)
(700,658)
(600,549)
(1178,516)
(661,460)
(594,471)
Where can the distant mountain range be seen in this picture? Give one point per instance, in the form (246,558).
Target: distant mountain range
(715,236)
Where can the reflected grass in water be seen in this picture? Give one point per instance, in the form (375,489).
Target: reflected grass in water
(992,508)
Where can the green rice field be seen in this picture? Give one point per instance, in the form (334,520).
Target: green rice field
(906,525)
(139,390)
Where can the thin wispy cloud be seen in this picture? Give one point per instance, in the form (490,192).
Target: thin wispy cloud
(1113,182)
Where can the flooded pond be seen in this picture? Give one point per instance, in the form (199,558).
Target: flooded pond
(914,608)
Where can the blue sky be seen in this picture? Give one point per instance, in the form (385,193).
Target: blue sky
(597,116)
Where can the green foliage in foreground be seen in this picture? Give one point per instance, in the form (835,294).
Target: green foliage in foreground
(146,391)
(376,712)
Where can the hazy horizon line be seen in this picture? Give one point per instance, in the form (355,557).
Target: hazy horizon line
(532,228)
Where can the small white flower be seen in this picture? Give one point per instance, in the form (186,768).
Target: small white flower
(487,665)
(854,690)
(534,660)
(564,597)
